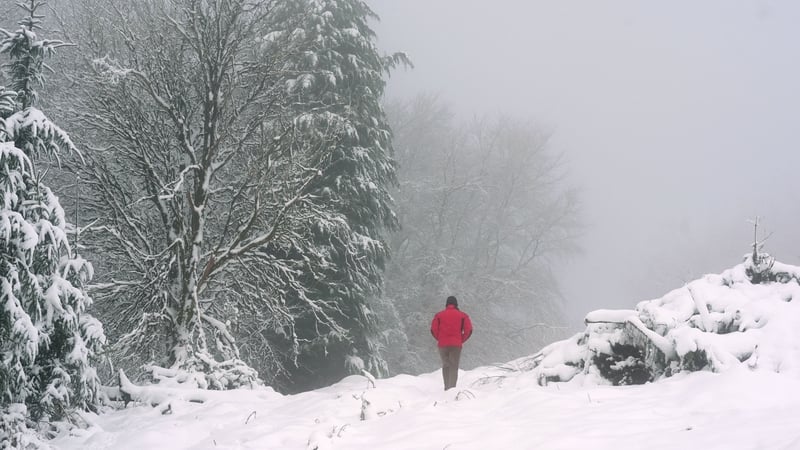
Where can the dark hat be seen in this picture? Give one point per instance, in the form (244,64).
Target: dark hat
(451,301)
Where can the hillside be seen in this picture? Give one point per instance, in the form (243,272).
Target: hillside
(721,351)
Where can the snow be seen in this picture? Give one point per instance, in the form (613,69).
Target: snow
(13,427)
(44,134)
(491,408)
(746,397)
(610,315)
(110,69)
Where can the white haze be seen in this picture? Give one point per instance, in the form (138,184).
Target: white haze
(679,121)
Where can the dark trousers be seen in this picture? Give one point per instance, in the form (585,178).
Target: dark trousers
(450,357)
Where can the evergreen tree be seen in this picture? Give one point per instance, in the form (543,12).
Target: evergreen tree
(46,337)
(335,87)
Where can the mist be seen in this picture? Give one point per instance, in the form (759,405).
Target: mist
(677,121)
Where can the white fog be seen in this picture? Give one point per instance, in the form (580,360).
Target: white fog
(678,121)
(399,224)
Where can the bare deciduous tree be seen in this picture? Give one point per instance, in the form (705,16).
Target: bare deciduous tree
(216,202)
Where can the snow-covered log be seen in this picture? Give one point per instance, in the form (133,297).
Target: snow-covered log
(619,316)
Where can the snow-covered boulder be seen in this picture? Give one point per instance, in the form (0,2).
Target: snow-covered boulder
(743,316)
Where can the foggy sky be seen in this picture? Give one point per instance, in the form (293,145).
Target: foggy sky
(679,121)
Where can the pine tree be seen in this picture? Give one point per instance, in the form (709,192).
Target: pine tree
(47,338)
(336,86)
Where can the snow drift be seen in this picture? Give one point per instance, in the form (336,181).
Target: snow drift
(743,316)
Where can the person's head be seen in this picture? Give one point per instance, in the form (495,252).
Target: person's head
(451,301)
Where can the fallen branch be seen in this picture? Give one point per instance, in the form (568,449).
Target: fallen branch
(155,395)
(370,378)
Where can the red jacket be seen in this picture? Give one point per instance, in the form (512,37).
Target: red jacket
(451,327)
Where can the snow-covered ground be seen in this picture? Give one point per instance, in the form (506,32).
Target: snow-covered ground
(745,337)
(738,409)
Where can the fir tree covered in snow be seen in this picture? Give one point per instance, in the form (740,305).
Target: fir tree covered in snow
(46,337)
(335,87)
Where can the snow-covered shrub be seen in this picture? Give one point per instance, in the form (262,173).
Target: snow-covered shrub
(714,323)
(623,365)
(758,267)
(14,431)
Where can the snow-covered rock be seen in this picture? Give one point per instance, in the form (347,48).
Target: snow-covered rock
(743,316)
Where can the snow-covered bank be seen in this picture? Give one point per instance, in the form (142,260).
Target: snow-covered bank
(748,315)
(739,409)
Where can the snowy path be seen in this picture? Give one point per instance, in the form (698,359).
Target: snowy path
(735,410)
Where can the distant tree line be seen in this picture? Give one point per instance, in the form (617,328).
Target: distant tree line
(485,216)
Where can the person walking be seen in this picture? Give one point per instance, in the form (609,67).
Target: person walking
(451,328)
